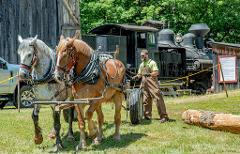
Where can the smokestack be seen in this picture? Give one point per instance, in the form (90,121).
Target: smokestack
(188,40)
(199,30)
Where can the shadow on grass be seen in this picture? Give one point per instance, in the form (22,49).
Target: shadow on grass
(107,143)
(126,139)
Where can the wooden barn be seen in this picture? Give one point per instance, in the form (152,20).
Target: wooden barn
(228,55)
(46,18)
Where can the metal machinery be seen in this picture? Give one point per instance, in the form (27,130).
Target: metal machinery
(198,58)
(175,59)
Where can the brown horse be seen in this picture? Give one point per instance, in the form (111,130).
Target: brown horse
(76,54)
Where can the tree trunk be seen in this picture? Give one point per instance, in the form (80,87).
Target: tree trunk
(212,120)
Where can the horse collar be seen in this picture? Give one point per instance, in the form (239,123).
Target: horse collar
(48,76)
(90,73)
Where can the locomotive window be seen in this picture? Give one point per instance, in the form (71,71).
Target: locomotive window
(141,40)
(151,39)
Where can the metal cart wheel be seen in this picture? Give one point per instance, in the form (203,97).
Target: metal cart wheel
(135,102)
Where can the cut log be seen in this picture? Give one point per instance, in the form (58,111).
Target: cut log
(213,120)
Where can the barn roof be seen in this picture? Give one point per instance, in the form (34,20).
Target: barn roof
(220,44)
(113,28)
(223,48)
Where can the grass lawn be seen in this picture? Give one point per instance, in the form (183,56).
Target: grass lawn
(16,130)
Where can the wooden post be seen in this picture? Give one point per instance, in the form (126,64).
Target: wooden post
(18,93)
(224,85)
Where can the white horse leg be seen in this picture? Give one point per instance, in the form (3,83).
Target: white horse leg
(38,134)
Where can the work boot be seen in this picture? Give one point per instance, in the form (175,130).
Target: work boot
(147,118)
(165,119)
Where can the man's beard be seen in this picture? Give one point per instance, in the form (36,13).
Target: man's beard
(144,59)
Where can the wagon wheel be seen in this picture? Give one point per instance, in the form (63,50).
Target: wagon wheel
(26,97)
(135,101)
(2,104)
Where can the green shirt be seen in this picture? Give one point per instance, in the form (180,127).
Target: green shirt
(150,63)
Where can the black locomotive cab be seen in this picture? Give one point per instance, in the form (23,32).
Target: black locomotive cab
(131,39)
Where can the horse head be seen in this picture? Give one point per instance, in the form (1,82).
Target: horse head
(66,58)
(71,52)
(27,52)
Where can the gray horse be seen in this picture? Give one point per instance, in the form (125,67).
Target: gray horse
(37,65)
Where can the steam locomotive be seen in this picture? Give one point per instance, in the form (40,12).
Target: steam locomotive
(176,56)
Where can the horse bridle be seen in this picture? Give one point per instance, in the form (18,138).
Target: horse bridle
(33,61)
(66,68)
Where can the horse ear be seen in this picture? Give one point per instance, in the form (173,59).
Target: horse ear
(61,37)
(70,42)
(20,39)
(34,40)
(77,34)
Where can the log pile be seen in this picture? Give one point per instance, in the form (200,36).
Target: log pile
(213,120)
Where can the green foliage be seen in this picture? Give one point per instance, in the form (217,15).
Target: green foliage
(222,16)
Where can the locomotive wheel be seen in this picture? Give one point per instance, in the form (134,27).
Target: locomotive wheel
(2,104)
(200,88)
(136,106)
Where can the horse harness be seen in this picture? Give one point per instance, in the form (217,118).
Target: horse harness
(48,77)
(91,73)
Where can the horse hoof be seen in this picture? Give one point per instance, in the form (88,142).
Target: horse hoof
(82,146)
(93,134)
(38,139)
(70,138)
(117,137)
(52,135)
(97,141)
(57,147)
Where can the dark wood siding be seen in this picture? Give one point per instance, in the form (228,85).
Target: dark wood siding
(28,18)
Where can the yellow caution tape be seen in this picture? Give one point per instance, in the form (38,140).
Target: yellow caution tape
(8,79)
(189,75)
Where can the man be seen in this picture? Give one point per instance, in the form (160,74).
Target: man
(148,71)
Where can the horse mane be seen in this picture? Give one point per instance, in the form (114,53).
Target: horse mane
(40,45)
(44,48)
(83,47)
